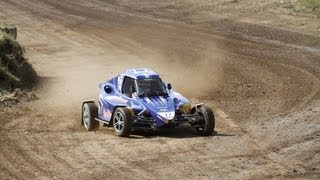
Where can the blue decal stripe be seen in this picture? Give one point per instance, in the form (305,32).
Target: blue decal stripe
(155,101)
(158,100)
(162,103)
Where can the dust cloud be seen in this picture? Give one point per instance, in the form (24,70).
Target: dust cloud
(192,71)
(193,68)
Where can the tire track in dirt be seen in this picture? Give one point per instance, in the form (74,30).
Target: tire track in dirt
(18,160)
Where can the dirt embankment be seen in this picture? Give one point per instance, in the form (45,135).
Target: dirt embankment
(15,70)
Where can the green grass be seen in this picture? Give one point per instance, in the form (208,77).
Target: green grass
(307,6)
(3,25)
(313,5)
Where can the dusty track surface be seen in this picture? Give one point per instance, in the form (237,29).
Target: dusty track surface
(265,97)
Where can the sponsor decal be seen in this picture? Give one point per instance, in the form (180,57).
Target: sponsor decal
(107,113)
(167,115)
(163,109)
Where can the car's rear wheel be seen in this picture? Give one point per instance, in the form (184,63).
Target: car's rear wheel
(206,126)
(89,113)
(122,122)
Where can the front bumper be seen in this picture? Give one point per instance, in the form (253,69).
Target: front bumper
(151,122)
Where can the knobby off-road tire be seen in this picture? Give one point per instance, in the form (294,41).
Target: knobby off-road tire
(209,121)
(89,113)
(122,122)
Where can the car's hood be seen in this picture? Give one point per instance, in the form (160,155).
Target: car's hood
(160,107)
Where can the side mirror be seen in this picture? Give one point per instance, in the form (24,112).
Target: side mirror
(169,86)
(108,89)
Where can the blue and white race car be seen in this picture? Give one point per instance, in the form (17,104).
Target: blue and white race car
(138,99)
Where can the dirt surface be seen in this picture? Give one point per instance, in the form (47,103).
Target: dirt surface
(265,96)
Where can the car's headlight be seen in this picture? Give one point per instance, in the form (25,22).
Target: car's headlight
(186,108)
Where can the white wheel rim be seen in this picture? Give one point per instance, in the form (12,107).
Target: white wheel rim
(118,122)
(86,116)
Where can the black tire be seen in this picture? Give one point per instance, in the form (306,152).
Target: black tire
(89,113)
(208,123)
(122,122)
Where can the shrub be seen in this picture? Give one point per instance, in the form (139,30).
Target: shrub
(15,71)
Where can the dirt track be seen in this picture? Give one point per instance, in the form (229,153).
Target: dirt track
(265,97)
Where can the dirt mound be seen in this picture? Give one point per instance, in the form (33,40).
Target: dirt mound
(15,71)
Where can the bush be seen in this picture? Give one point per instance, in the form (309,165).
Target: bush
(15,71)
(313,5)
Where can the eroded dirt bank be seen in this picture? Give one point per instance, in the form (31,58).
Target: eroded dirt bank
(266,98)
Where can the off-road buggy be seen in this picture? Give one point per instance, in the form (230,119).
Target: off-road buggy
(138,99)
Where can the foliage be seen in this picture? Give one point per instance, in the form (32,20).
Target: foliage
(15,71)
(312,6)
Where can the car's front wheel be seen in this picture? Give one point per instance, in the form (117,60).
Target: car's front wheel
(206,126)
(122,122)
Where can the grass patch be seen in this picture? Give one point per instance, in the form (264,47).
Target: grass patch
(309,6)
(3,25)
(313,5)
